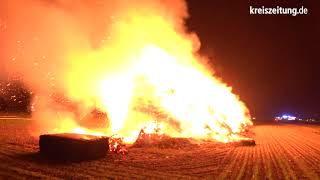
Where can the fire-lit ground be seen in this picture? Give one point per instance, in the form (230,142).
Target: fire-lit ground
(282,152)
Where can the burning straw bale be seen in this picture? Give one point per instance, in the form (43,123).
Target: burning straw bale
(71,146)
(248,142)
(245,142)
(162,141)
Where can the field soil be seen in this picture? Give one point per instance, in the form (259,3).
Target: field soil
(283,151)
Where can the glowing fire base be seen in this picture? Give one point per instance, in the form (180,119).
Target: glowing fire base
(71,146)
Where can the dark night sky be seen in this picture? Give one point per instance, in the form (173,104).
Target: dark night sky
(271,61)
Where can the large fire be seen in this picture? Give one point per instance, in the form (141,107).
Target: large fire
(170,92)
(145,74)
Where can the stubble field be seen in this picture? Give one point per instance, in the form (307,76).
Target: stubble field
(283,151)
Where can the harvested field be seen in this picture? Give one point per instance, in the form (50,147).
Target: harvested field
(282,152)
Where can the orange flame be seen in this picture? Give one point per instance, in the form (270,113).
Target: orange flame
(147,75)
(192,103)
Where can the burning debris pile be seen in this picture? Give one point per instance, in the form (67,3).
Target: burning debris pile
(117,145)
(162,141)
(135,63)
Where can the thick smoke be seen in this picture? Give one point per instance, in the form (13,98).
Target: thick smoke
(42,41)
(37,36)
(134,61)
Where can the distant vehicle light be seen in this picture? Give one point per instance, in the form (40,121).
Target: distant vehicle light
(277,118)
(286,118)
(291,118)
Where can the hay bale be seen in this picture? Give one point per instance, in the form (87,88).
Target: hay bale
(95,119)
(248,142)
(71,146)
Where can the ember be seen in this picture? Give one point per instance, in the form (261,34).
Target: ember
(117,145)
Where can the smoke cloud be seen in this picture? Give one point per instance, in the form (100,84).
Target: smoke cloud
(134,60)
(37,36)
(44,41)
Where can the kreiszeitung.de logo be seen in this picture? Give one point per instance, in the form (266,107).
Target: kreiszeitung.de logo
(278,10)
